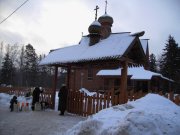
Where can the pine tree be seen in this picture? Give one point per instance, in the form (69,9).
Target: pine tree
(169,63)
(31,66)
(7,71)
(152,63)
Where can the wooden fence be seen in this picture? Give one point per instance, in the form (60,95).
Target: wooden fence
(84,105)
(46,96)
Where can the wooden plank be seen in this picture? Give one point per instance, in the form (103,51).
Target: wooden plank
(70,101)
(97,102)
(85,107)
(105,100)
(108,99)
(140,94)
(115,99)
(112,98)
(177,100)
(100,103)
(89,105)
(73,103)
(94,104)
(171,96)
(131,95)
(76,102)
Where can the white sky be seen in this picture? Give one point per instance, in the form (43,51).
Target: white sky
(51,24)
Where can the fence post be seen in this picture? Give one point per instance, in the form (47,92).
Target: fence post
(108,99)
(85,107)
(94,106)
(89,106)
(97,102)
(171,96)
(112,98)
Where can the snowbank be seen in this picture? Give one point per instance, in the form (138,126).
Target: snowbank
(150,115)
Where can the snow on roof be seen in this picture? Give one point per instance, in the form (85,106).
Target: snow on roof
(112,47)
(136,73)
(144,44)
(105,15)
(96,23)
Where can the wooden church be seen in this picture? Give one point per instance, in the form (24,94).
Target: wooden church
(101,50)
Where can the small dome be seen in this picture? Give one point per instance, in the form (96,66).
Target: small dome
(106,19)
(95,27)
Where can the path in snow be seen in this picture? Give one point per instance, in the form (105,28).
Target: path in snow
(35,123)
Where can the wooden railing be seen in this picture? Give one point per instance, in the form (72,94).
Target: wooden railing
(84,105)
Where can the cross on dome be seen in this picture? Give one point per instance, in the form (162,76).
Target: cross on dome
(96,12)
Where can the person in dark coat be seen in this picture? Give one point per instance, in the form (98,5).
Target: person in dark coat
(35,94)
(62,99)
(13,100)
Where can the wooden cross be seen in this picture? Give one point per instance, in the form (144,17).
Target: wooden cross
(96,11)
(106,6)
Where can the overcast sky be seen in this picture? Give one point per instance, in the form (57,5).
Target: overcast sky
(51,24)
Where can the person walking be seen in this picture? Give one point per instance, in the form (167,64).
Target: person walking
(62,99)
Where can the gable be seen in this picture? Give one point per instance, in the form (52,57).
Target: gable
(135,52)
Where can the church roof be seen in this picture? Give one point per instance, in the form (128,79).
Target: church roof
(136,73)
(112,47)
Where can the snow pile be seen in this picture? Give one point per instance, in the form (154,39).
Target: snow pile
(150,115)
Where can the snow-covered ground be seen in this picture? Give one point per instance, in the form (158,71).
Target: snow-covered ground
(150,115)
(46,122)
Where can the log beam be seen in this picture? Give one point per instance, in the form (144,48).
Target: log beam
(123,87)
(54,86)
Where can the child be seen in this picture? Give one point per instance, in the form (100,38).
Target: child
(13,100)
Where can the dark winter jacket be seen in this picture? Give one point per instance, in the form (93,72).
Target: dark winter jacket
(13,100)
(36,94)
(62,98)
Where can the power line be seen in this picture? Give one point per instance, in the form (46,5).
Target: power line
(14,11)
